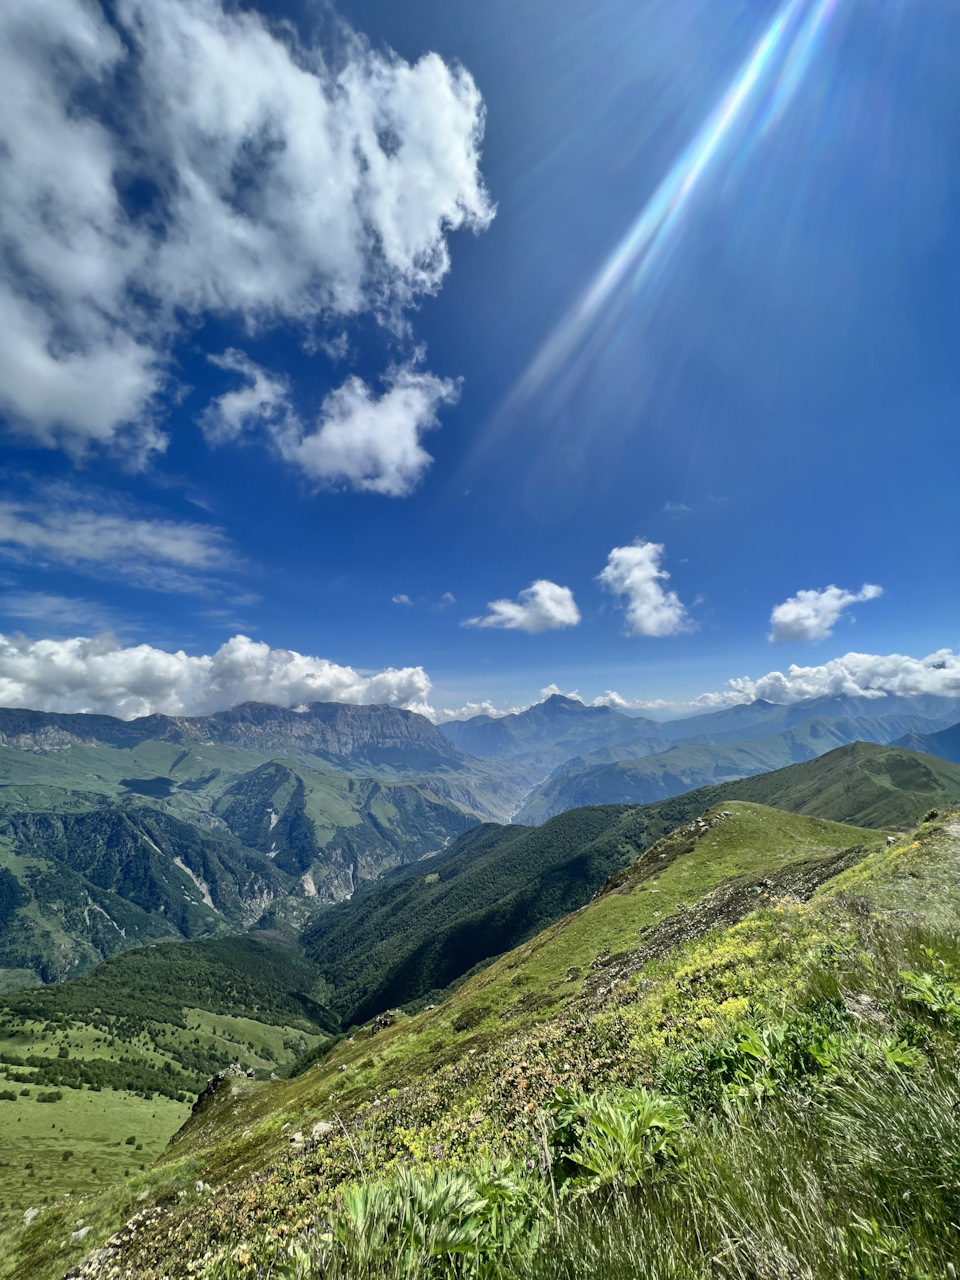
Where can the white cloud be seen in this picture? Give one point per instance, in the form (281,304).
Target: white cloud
(361,442)
(543,606)
(447,598)
(856,675)
(471,709)
(236,173)
(161,554)
(552,690)
(263,401)
(54,610)
(634,572)
(811,615)
(101,675)
(401,599)
(610,698)
(370,443)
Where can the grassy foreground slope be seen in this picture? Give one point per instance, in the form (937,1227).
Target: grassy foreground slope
(416,932)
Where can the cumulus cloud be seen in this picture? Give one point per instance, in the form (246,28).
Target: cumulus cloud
(102,675)
(470,709)
(634,573)
(402,598)
(811,615)
(361,441)
(179,159)
(856,675)
(367,442)
(617,702)
(552,690)
(162,554)
(543,606)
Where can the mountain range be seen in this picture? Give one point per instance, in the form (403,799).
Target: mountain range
(629,774)
(117,833)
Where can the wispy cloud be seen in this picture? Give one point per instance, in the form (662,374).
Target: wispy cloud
(57,612)
(63,526)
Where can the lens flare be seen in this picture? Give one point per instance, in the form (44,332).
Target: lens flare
(798,60)
(755,101)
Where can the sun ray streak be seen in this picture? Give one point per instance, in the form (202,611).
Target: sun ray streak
(787,46)
(799,59)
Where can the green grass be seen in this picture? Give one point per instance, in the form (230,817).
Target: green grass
(147,1028)
(406,936)
(410,937)
(870,785)
(93,1128)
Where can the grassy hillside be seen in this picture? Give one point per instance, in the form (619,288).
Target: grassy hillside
(411,936)
(126,1050)
(678,870)
(630,776)
(872,785)
(796,1043)
(427,926)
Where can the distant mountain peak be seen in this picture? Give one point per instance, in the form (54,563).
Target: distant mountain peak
(561,700)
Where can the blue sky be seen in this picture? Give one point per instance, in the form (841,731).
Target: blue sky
(760,401)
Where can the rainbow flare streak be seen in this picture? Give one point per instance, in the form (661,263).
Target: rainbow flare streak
(788,45)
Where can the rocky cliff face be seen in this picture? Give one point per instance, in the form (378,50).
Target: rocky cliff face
(380,734)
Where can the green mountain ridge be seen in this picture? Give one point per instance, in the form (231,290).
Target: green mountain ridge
(105,847)
(411,935)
